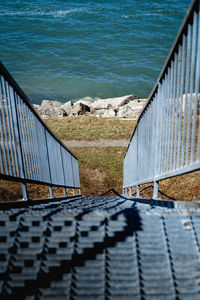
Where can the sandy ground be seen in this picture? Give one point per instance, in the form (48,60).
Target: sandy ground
(97,143)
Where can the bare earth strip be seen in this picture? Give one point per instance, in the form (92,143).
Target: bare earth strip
(97,143)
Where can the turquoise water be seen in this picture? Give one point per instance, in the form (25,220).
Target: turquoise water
(66,50)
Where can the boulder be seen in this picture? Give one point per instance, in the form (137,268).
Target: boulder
(125,112)
(130,98)
(67,107)
(109,113)
(137,104)
(98,113)
(50,109)
(79,109)
(105,103)
(131,110)
(37,108)
(49,103)
(85,102)
(98,104)
(122,107)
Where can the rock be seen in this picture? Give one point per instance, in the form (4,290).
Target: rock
(138,104)
(125,112)
(50,109)
(130,98)
(99,104)
(131,110)
(79,109)
(99,112)
(49,103)
(123,107)
(109,113)
(85,102)
(67,107)
(105,103)
(37,107)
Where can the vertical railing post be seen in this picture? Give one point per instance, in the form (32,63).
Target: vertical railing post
(138,191)
(155,190)
(50,191)
(65,192)
(19,139)
(48,161)
(74,193)
(24,192)
(130,191)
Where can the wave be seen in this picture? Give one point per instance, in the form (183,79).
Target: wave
(39,12)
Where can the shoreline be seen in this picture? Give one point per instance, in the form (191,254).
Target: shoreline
(125,107)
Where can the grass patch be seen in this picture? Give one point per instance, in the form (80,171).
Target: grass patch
(100,169)
(90,128)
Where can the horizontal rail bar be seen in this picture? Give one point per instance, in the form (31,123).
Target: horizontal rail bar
(24,180)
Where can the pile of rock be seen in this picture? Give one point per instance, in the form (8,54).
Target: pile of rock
(121,107)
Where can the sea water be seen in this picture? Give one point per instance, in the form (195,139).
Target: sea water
(67,50)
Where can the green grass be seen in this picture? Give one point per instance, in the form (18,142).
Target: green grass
(100,169)
(90,128)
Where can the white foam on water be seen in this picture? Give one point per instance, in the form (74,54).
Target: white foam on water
(38,12)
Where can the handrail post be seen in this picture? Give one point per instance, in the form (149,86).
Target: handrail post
(19,139)
(48,161)
(50,191)
(130,191)
(138,191)
(74,193)
(24,192)
(155,190)
(65,192)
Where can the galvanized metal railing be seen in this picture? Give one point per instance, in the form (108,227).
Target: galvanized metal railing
(166,138)
(29,152)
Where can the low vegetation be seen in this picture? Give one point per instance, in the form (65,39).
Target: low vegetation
(90,128)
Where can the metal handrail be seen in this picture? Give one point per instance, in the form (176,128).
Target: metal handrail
(166,138)
(29,151)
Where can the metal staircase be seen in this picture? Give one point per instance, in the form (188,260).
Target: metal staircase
(108,247)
